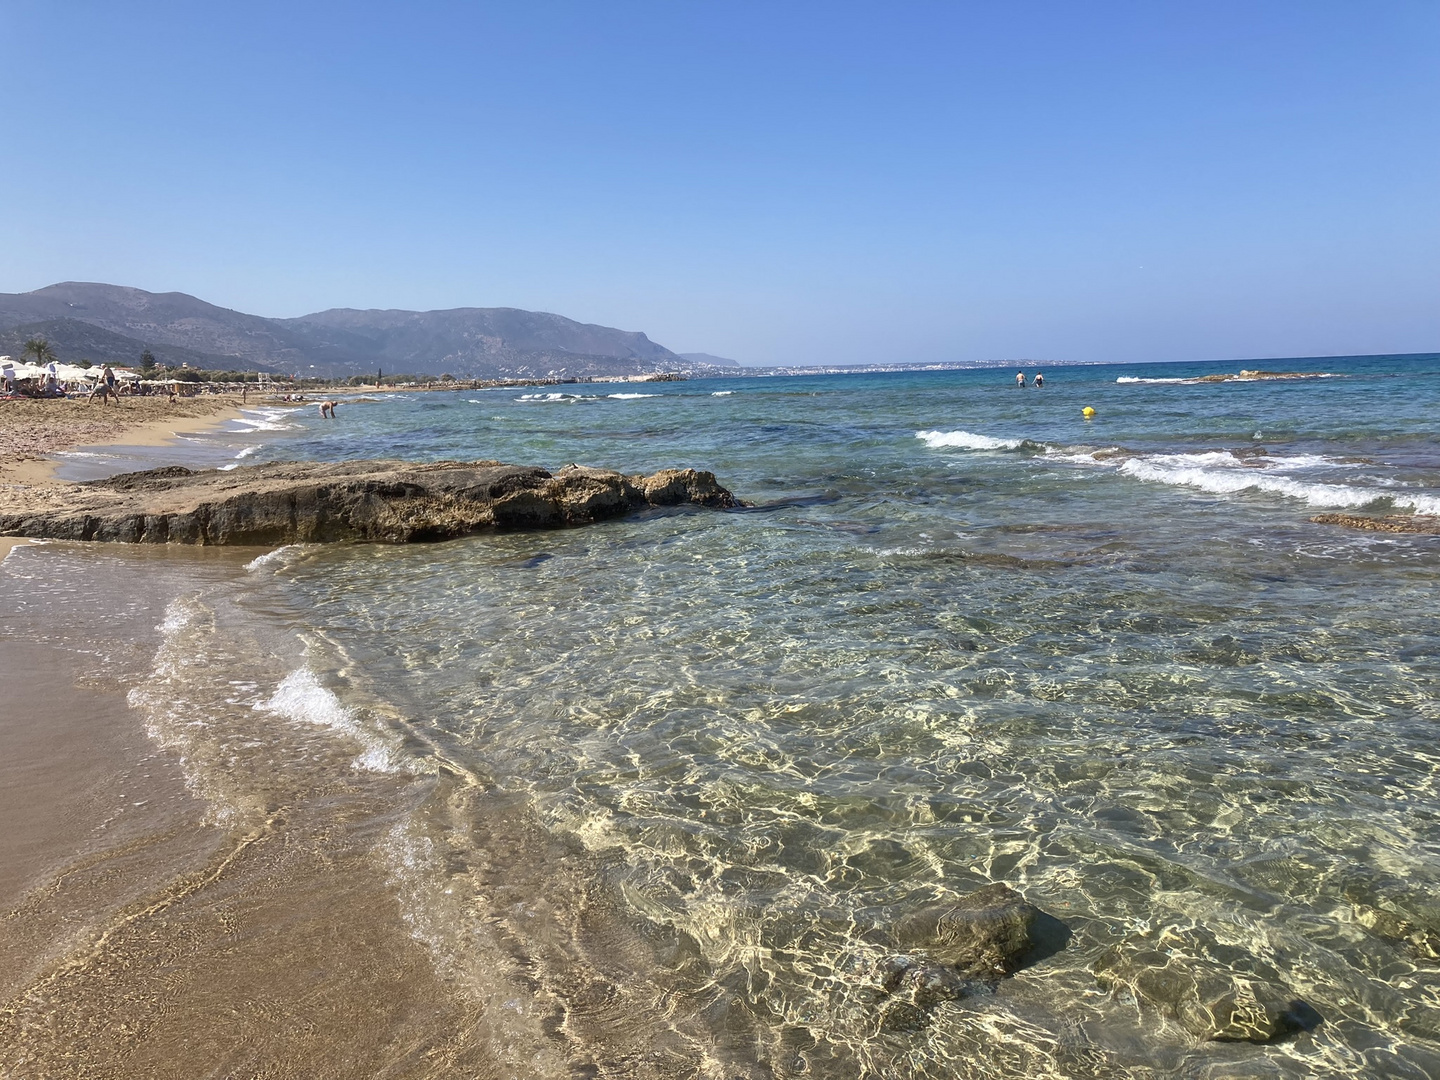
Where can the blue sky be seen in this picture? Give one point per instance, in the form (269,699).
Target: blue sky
(775,182)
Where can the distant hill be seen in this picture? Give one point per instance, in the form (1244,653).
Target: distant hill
(74,341)
(475,341)
(466,342)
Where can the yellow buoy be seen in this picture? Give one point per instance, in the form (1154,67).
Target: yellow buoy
(1087,412)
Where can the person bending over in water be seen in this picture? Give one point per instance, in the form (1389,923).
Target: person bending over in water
(327,409)
(1020,379)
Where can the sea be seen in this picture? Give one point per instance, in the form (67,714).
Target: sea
(652,794)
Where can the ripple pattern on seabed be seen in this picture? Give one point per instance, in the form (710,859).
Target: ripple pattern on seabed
(782,745)
(1174,715)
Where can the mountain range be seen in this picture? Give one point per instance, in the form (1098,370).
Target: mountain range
(115,324)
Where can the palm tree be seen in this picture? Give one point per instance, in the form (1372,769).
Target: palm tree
(39,348)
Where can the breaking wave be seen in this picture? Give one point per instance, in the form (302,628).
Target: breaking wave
(966,440)
(263,420)
(1222,473)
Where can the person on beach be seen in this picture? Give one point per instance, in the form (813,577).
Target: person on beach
(1039,381)
(174,391)
(105,386)
(1020,379)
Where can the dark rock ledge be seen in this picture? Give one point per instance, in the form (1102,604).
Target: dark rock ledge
(305,502)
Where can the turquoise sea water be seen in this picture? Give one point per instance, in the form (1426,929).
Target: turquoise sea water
(687,768)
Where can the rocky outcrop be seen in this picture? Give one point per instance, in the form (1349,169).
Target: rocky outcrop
(1396,523)
(1262,376)
(1214,991)
(955,950)
(386,501)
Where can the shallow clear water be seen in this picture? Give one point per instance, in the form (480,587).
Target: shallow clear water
(962,635)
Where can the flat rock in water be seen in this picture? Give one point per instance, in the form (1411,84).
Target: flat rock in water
(306,502)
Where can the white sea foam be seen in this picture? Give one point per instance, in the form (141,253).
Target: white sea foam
(178,614)
(18,546)
(548,397)
(965,440)
(721,393)
(1079,455)
(1197,379)
(263,420)
(302,698)
(1221,473)
(270,558)
(631,397)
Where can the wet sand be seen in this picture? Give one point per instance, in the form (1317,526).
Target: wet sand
(68,755)
(140,936)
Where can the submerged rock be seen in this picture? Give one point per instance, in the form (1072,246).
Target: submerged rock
(957,950)
(1427,524)
(984,935)
(1394,908)
(1213,991)
(299,502)
(1423,941)
(922,981)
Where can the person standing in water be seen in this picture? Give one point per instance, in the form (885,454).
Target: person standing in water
(1020,379)
(1039,381)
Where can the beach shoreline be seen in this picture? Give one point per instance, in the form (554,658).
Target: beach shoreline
(139,907)
(32,432)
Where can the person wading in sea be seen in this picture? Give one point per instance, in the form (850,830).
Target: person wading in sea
(1020,379)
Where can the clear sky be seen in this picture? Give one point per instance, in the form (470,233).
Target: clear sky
(777,182)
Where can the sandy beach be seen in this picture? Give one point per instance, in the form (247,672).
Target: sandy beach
(32,430)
